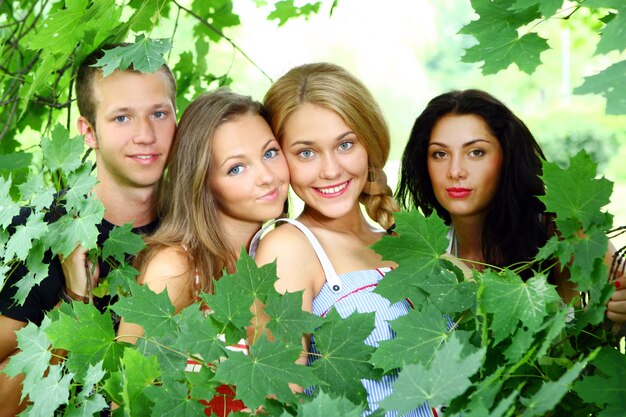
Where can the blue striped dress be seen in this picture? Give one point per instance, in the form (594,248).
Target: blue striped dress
(353,291)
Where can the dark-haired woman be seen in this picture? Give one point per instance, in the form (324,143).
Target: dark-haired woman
(477,165)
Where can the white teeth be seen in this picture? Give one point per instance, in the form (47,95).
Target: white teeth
(143,156)
(332,190)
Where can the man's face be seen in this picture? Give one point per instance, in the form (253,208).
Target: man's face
(135,125)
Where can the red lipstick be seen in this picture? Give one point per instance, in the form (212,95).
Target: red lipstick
(458,192)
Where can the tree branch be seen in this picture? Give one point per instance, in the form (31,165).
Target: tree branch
(223,36)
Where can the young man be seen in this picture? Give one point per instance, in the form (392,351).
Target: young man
(129,119)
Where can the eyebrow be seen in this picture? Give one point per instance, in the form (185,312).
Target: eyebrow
(238,156)
(470,143)
(312,142)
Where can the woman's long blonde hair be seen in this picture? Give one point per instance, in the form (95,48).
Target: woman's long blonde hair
(189,212)
(331,86)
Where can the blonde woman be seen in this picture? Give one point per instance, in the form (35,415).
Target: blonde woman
(336,143)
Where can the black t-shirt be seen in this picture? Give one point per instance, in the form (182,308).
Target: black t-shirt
(43,297)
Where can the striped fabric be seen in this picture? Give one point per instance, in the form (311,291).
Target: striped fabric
(357,295)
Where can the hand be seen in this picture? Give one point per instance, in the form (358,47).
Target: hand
(616,307)
(80,275)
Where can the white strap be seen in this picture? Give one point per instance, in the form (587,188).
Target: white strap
(331,276)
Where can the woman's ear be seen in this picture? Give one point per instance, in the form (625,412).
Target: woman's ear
(86,129)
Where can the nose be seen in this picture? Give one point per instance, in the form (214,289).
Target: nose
(265,176)
(145,132)
(330,168)
(457,169)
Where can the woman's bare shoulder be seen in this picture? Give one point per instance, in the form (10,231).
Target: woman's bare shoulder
(285,241)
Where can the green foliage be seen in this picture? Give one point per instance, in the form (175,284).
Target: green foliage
(507,32)
(491,345)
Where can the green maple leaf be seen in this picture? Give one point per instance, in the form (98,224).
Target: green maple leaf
(62,24)
(8,207)
(520,343)
(492,17)
(199,335)
(79,186)
(220,14)
(553,326)
(324,405)
(512,300)
(343,358)
(60,152)
(285,10)
(154,312)
(21,241)
(94,375)
(122,241)
(143,306)
(587,249)
(445,378)
(551,392)
(34,356)
(605,84)
(485,394)
(138,373)
(267,370)
(171,361)
(147,14)
(145,55)
(37,271)
(235,294)
(594,312)
(445,292)
(287,319)
(88,401)
(202,383)
(89,337)
(172,399)
(89,407)
(70,231)
(547,8)
(508,48)
(34,190)
(606,387)
(117,282)
(38,82)
(50,392)
(417,250)
(614,32)
(419,335)
(574,192)
(16,161)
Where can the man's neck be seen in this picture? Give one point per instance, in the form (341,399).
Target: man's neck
(127,205)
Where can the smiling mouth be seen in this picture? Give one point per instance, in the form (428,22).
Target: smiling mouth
(333,190)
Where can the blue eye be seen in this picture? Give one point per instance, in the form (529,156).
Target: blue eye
(306,154)
(121,119)
(270,153)
(158,114)
(344,146)
(236,170)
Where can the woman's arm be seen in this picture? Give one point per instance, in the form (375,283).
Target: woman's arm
(297,268)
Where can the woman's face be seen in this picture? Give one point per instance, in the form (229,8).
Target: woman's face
(464,161)
(249,176)
(327,162)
